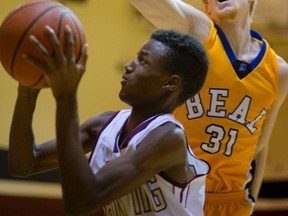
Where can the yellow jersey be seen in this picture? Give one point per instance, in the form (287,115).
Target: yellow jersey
(224,120)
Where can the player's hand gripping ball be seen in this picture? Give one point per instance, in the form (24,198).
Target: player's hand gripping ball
(31,18)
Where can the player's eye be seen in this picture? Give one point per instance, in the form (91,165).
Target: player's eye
(140,60)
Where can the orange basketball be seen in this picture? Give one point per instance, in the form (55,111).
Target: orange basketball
(31,18)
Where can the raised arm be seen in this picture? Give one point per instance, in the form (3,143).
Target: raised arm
(176,15)
(85,192)
(25,157)
(262,147)
(124,174)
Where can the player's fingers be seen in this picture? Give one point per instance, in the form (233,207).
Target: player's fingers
(41,49)
(35,63)
(55,43)
(69,44)
(83,58)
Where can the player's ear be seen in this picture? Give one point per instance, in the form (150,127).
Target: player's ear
(173,83)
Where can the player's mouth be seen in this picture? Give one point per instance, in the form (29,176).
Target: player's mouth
(221,1)
(124,79)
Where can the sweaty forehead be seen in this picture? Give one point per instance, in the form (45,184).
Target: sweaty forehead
(154,48)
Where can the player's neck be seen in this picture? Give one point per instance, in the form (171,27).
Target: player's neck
(238,36)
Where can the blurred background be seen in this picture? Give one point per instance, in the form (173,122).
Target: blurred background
(115,31)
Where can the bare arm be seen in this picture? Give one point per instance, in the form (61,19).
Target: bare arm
(176,15)
(84,192)
(25,157)
(262,148)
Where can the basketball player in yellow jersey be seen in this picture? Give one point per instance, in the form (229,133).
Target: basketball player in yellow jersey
(230,121)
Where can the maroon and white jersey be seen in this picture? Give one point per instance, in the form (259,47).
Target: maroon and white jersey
(160,196)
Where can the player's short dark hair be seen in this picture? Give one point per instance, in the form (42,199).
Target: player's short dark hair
(187,58)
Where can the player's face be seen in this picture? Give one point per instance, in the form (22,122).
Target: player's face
(145,76)
(228,9)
